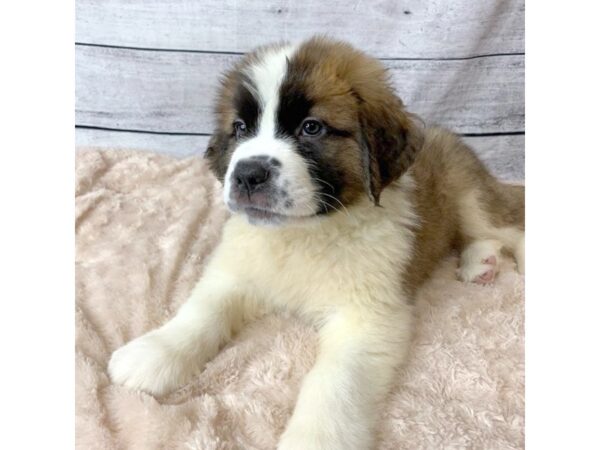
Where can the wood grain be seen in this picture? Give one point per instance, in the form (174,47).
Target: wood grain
(384,28)
(173,91)
(178,145)
(504,155)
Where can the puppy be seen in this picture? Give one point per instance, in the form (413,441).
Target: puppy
(342,204)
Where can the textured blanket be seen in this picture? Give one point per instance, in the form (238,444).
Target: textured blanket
(145,225)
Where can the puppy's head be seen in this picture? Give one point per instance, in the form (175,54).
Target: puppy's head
(305,131)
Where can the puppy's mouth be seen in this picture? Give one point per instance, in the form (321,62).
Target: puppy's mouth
(257,215)
(264,215)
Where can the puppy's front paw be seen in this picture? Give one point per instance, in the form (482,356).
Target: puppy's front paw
(149,364)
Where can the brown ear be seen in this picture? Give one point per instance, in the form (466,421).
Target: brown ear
(218,154)
(390,141)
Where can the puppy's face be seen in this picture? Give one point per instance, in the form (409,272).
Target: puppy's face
(306,131)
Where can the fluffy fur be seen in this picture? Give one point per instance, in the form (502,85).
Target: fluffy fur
(157,219)
(354,271)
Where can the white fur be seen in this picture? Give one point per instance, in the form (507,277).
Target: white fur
(345,275)
(294,176)
(267,75)
(472,265)
(341,274)
(476,225)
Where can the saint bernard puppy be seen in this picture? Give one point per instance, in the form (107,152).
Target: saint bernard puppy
(342,205)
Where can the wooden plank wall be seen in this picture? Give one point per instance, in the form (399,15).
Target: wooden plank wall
(146,70)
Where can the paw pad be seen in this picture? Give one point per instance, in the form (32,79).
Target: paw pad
(485,278)
(478,271)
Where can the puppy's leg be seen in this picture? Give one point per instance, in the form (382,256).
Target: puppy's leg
(169,356)
(339,403)
(487,216)
(479,260)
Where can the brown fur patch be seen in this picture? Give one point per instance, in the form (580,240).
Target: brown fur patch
(445,172)
(221,145)
(374,141)
(352,92)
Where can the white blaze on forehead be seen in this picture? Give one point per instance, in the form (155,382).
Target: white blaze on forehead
(267,75)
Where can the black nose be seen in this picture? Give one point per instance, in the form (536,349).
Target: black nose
(250,175)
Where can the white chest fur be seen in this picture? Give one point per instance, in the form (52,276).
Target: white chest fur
(343,273)
(311,268)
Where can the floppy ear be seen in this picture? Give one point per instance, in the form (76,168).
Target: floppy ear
(390,141)
(218,154)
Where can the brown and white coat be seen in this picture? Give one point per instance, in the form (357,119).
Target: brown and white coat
(343,203)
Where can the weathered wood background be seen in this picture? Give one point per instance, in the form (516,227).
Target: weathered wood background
(146,70)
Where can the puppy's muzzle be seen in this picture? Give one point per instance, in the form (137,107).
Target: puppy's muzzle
(253,183)
(250,176)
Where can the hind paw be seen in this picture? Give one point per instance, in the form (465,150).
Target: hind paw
(477,273)
(479,262)
(486,277)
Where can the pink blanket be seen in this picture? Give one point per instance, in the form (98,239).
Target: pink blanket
(145,225)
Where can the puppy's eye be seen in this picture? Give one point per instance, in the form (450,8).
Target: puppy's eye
(239,128)
(311,127)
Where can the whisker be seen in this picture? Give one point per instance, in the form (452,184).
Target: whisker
(325,182)
(324,202)
(341,204)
